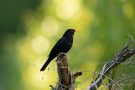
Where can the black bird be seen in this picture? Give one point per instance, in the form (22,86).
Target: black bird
(63,45)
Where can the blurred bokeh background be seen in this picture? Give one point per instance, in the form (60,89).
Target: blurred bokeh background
(30,28)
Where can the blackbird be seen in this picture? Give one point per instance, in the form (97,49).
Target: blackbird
(63,45)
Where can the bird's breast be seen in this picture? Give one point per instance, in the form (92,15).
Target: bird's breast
(68,44)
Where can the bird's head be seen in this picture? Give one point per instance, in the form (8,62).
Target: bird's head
(69,32)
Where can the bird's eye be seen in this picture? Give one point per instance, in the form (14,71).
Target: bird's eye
(72,30)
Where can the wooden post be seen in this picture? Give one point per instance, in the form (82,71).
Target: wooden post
(66,79)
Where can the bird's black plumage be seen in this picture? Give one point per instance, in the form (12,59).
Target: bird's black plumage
(63,45)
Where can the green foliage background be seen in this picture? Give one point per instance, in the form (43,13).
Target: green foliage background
(29,29)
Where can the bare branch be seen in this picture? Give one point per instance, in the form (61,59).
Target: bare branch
(123,55)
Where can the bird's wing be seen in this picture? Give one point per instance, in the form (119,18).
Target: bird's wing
(57,46)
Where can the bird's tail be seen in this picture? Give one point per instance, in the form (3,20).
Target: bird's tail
(45,65)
